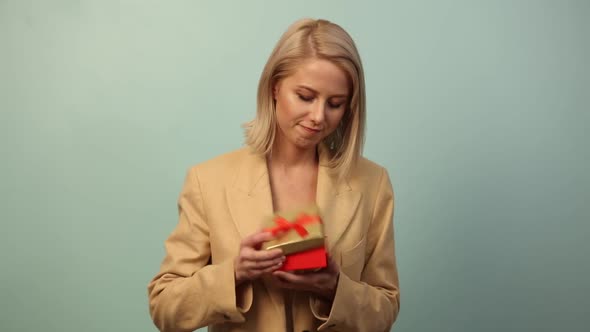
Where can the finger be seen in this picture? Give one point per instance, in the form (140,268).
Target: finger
(272,268)
(261,265)
(282,284)
(286,285)
(257,239)
(263,255)
(330,259)
(332,265)
(289,285)
(290,277)
(254,273)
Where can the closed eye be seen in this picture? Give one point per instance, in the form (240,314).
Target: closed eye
(305,98)
(332,105)
(308,99)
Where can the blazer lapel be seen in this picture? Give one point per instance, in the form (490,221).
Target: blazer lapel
(336,200)
(249,197)
(250,203)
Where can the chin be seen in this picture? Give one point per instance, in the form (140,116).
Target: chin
(304,144)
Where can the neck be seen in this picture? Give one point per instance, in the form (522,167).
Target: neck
(289,156)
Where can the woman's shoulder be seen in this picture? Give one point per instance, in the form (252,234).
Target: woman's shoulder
(368,174)
(368,167)
(223,163)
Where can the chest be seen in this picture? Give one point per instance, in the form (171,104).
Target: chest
(292,191)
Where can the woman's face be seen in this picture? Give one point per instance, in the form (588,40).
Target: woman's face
(311,102)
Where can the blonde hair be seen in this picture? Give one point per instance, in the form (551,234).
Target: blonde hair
(321,39)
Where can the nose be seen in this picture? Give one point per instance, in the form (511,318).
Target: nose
(318,112)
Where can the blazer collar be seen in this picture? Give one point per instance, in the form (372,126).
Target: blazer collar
(250,198)
(252,176)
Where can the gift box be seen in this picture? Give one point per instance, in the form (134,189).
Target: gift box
(300,235)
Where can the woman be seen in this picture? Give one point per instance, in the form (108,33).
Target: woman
(304,146)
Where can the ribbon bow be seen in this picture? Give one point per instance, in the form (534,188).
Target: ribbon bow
(283,225)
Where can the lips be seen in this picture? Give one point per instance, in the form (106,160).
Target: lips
(310,130)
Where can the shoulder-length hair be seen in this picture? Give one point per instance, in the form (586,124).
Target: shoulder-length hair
(320,39)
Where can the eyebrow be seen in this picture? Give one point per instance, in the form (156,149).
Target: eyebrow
(312,90)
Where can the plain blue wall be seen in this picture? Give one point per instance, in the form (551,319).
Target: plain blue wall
(478,109)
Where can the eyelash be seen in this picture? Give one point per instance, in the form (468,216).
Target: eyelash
(308,99)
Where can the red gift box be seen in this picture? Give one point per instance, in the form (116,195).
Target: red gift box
(301,237)
(305,260)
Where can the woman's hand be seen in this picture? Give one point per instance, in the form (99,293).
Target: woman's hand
(252,262)
(322,283)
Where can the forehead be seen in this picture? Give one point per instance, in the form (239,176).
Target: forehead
(320,75)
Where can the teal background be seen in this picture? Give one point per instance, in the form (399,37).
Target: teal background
(478,109)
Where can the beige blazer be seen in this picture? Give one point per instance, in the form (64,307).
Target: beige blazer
(226,199)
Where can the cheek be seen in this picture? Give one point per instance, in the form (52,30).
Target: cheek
(283,116)
(333,119)
(288,110)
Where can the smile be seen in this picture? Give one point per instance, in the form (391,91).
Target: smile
(310,130)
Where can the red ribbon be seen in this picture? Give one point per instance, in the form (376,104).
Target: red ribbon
(283,225)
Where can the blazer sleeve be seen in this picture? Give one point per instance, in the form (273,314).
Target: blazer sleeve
(189,292)
(371,304)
